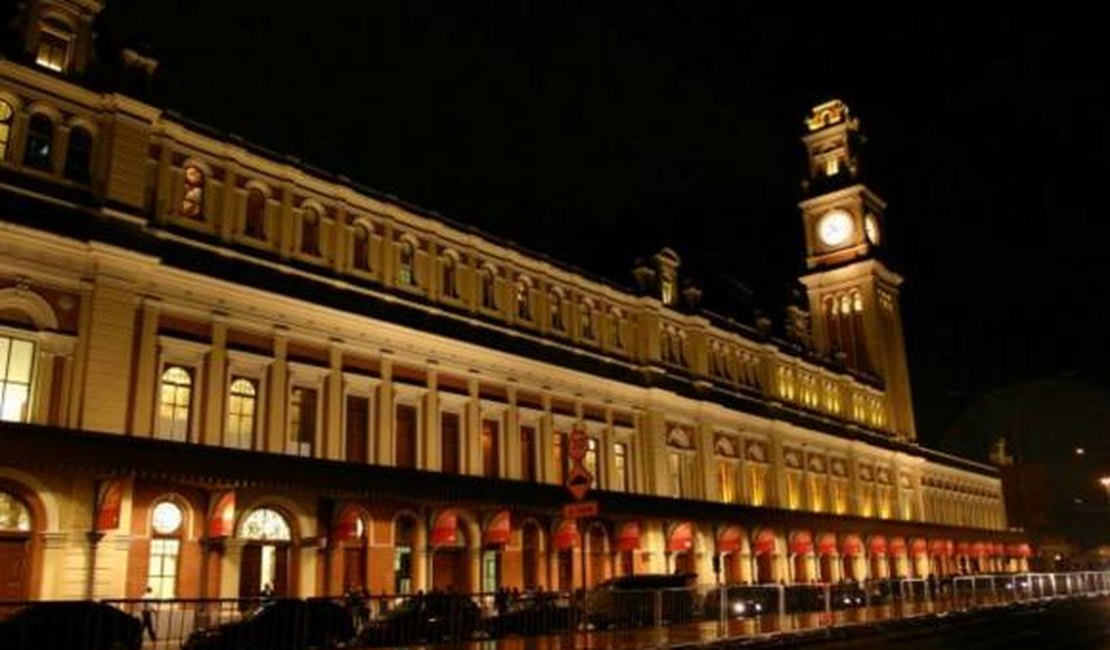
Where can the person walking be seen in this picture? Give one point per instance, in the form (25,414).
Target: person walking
(148,614)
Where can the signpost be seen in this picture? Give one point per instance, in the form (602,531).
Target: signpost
(578,482)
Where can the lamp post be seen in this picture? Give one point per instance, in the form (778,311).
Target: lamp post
(1105,480)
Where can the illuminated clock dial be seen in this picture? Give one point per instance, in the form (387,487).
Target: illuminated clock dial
(871,229)
(835,228)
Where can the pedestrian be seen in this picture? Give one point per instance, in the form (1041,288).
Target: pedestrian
(148,614)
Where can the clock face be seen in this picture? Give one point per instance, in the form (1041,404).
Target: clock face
(871,228)
(835,228)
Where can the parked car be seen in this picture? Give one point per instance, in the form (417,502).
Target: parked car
(287,623)
(639,600)
(70,625)
(741,601)
(424,618)
(533,614)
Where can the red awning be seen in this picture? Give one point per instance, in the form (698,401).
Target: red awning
(877,545)
(998,549)
(765,543)
(445,530)
(1020,550)
(349,525)
(566,535)
(629,537)
(896,547)
(918,546)
(963,548)
(851,546)
(109,501)
(498,529)
(221,522)
(682,538)
(801,543)
(730,540)
(826,544)
(979,549)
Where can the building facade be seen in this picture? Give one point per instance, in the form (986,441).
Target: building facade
(222,369)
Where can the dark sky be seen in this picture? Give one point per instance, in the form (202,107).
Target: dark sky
(599,133)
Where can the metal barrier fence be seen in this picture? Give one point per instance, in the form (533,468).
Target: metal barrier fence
(370,621)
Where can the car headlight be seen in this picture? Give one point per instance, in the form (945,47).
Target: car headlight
(738,608)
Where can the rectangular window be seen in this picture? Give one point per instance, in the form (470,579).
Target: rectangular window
(302,420)
(449,443)
(16,361)
(757,484)
(405,435)
(491,457)
(793,490)
(528,453)
(726,485)
(53,49)
(358,427)
(620,467)
(590,462)
(162,576)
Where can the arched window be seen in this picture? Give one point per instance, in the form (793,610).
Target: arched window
(586,311)
(616,324)
(488,288)
(14,516)
(173,411)
(310,232)
(406,254)
(254,225)
(55,41)
(166,520)
(360,248)
(40,143)
(241,409)
(6,115)
(265,524)
(523,299)
(192,199)
(79,155)
(555,303)
(16,362)
(450,277)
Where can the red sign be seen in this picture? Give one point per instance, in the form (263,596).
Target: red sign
(222,519)
(578,481)
(498,530)
(445,531)
(580,510)
(108,504)
(578,444)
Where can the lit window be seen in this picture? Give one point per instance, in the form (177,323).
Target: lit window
(360,248)
(620,467)
(857,302)
(6,114)
(16,362)
(832,166)
(14,516)
(302,421)
(310,232)
(166,518)
(450,277)
(406,253)
(590,461)
(54,42)
(192,201)
(255,223)
(173,414)
(726,485)
(240,413)
(40,143)
(489,295)
(523,299)
(667,291)
(266,525)
(78,155)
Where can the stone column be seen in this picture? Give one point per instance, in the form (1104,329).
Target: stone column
(472,459)
(146,370)
(277,396)
(333,417)
(217,381)
(387,411)
(432,434)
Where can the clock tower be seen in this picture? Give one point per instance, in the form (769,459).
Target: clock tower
(853,296)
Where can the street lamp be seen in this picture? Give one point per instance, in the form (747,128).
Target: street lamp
(1105,480)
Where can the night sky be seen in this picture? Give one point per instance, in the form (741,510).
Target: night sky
(598,134)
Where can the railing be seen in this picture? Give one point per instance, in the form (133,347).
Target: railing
(372,621)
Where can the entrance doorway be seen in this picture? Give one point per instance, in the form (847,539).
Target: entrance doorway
(491,570)
(264,566)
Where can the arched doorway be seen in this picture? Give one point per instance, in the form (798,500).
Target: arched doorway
(850,548)
(826,551)
(450,554)
(350,535)
(404,541)
(531,550)
(680,545)
(494,538)
(801,546)
(730,545)
(764,548)
(628,542)
(266,554)
(15,548)
(597,550)
(877,549)
(564,541)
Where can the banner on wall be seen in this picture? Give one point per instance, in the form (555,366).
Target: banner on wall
(109,503)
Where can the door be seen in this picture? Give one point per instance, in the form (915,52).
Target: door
(763,566)
(826,568)
(15,568)
(250,571)
(566,570)
(354,567)
(448,570)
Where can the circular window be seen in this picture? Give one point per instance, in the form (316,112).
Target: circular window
(14,516)
(166,519)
